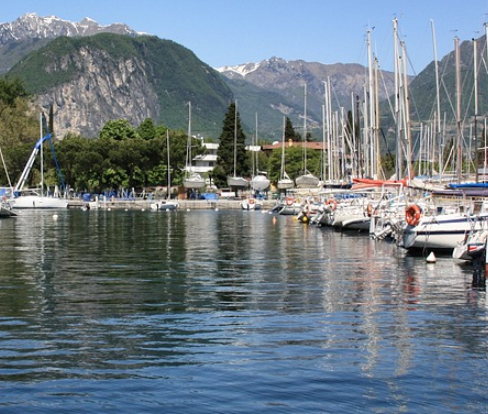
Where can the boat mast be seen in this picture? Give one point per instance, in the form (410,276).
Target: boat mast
(475,57)
(255,168)
(458,109)
(42,154)
(282,173)
(437,133)
(235,137)
(371,128)
(305,128)
(168,196)
(408,133)
(188,150)
(377,121)
(398,123)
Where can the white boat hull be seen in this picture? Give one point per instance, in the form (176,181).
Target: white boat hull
(441,232)
(260,183)
(165,205)
(307,181)
(356,223)
(237,182)
(195,182)
(285,184)
(6,210)
(37,201)
(250,205)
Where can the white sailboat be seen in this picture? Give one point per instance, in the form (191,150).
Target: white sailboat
(166,204)
(307,179)
(35,198)
(260,180)
(236,181)
(285,182)
(192,179)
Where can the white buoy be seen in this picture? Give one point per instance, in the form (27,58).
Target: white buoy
(55,216)
(187,209)
(431,258)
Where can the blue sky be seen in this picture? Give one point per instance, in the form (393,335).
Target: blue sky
(231,32)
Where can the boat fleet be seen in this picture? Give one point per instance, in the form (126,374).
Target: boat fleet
(419,218)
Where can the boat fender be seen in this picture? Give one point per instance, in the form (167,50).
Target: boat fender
(332,203)
(412,215)
(369,210)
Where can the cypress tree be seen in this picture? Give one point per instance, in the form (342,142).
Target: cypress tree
(225,154)
(290,132)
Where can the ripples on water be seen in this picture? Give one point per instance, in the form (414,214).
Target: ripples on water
(229,312)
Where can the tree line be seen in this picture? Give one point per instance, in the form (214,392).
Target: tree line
(124,156)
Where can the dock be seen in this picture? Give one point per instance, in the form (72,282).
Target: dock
(140,204)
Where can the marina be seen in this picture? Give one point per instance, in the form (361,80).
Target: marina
(233,311)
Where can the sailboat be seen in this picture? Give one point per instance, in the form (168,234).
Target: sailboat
(285,182)
(167,204)
(236,181)
(260,181)
(192,180)
(35,198)
(307,179)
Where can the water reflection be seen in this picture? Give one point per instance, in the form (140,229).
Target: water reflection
(142,295)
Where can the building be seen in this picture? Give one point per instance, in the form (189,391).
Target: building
(205,163)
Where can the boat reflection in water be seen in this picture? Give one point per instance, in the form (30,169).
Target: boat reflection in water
(126,308)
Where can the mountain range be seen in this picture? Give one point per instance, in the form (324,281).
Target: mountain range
(91,74)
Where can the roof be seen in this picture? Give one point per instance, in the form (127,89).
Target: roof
(313,145)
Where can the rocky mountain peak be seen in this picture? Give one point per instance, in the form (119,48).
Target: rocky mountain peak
(33,26)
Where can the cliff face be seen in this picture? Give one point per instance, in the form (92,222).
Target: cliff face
(92,80)
(100,92)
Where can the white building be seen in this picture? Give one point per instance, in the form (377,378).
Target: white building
(205,163)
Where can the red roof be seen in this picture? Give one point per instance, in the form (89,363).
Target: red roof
(313,145)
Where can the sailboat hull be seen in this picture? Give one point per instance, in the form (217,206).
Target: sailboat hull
(260,183)
(285,184)
(237,182)
(165,205)
(307,181)
(195,181)
(38,201)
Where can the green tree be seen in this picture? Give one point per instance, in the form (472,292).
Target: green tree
(11,88)
(19,128)
(290,132)
(147,130)
(232,149)
(119,130)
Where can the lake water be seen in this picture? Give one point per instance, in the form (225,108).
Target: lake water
(230,312)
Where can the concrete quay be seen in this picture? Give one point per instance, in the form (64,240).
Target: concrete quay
(138,204)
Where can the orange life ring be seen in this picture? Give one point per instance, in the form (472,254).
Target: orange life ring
(369,210)
(290,201)
(332,203)
(412,214)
